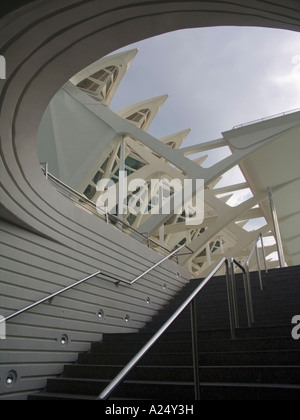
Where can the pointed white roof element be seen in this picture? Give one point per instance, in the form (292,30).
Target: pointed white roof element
(226,198)
(212,185)
(102,79)
(201,160)
(176,140)
(242,223)
(143,113)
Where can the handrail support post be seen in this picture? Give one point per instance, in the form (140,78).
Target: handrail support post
(250,296)
(277,231)
(193,307)
(134,362)
(259,268)
(230,301)
(234,295)
(264,253)
(50,298)
(249,307)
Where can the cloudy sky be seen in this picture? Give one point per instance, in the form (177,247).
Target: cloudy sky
(216,78)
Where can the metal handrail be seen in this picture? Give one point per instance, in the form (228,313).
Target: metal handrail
(256,250)
(248,294)
(116,221)
(49,298)
(118,281)
(189,301)
(282,114)
(82,197)
(72,286)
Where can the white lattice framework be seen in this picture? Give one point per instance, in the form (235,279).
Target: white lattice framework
(223,230)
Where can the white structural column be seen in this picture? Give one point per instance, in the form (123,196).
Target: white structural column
(193,170)
(221,223)
(61,39)
(45,43)
(277,231)
(148,159)
(122,181)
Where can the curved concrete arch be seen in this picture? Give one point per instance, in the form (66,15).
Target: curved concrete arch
(46,43)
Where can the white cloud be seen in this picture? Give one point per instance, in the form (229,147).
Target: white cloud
(291,78)
(216,78)
(237,197)
(296,59)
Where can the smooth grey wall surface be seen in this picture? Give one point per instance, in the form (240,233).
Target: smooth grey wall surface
(71,138)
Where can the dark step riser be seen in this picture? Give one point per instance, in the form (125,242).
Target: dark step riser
(262,375)
(215,334)
(176,392)
(217,359)
(213,346)
(249,394)
(58,397)
(263,307)
(207,394)
(181,393)
(230,369)
(182,327)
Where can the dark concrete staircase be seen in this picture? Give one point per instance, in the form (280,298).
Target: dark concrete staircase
(262,364)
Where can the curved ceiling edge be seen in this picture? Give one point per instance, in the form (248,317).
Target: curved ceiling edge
(43,57)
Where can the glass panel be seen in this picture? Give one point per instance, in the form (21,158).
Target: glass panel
(97,177)
(90,192)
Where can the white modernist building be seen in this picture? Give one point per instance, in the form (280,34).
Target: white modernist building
(47,241)
(73,139)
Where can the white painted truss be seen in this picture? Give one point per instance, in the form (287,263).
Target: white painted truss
(235,213)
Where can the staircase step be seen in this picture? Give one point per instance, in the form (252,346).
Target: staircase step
(49,396)
(263,363)
(257,344)
(209,374)
(283,330)
(185,391)
(249,392)
(272,358)
(169,391)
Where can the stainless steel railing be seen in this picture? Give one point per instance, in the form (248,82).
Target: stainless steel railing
(72,286)
(247,278)
(49,298)
(255,250)
(118,281)
(282,114)
(189,301)
(88,205)
(248,294)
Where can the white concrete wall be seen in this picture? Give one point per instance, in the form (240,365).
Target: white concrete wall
(45,44)
(33,267)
